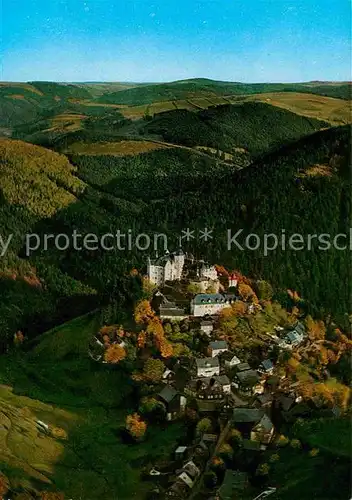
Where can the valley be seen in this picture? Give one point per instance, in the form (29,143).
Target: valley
(87,336)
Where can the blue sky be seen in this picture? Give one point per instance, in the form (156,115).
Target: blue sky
(165,40)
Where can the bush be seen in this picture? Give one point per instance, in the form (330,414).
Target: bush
(296,444)
(282,441)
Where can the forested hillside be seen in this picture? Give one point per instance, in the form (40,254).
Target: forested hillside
(257,127)
(301,188)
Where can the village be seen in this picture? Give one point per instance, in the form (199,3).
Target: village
(240,400)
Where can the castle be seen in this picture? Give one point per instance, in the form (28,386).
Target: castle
(169,267)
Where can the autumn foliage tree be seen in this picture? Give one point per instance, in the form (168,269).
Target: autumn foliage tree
(136,426)
(247,294)
(143,312)
(114,354)
(153,370)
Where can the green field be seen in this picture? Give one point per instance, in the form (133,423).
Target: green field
(64,388)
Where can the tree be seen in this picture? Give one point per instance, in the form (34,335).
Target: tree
(193,289)
(239,308)
(152,409)
(153,370)
(210,479)
(235,438)
(136,426)
(143,312)
(203,426)
(262,470)
(264,290)
(114,354)
(247,293)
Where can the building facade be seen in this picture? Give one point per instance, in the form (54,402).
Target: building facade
(210,303)
(169,267)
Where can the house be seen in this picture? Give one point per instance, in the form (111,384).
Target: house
(247,382)
(178,490)
(263,431)
(247,415)
(215,387)
(169,267)
(188,474)
(296,335)
(234,481)
(180,452)
(174,402)
(217,347)
(266,367)
(229,359)
(210,303)
(207,367)
(206,327)
(172,312)
(168,375)
(264,400)
(241,367)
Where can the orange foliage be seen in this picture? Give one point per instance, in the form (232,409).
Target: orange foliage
(294,295)
(114,354)
(316,329)
(47,495)
(166,349)
(136,426)
(247,293)
(18,338)
(134,272)
(142,339)
(143,312)
(221,270)
(239,308)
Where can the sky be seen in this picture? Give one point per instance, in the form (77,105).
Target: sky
(166,40)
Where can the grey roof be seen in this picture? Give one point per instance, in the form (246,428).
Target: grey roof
(172,312)
(286,402)
(242,367)
(168,393)
(266,423)
(299,328)
(218,344)
(222,379)
(247,415)
(207,362)
(267,364)
(265,398)
(209,298)
(213,298)
(248,377)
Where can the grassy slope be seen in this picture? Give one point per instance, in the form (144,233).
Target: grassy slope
(65,388)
